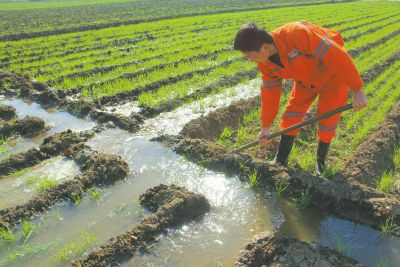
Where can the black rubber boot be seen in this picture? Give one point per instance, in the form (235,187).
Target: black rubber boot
(284,148)
(321,156)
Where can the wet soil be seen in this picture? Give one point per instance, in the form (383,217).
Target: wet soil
(375,155)
(7,112)
(275,249)
(172,206)
(27,127)
(97,169)
(52,146)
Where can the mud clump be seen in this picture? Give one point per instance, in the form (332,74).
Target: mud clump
(276,249)
(172,205)
(178,203)
(59,142)
(7,112)
(27,127)
(98,168)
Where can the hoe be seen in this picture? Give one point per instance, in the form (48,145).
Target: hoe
(296,126)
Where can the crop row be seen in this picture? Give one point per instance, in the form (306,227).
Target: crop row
(164,31)
(16,24)
(57,45)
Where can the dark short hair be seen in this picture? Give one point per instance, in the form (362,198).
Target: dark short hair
(251,37)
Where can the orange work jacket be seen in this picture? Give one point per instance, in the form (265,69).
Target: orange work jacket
(311,55)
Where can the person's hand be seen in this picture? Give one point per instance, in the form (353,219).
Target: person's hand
(359,100)
(262,141)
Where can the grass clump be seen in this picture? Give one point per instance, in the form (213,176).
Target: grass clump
(396,158)
(280,187)
(304,200)
(94,193)
(253,177)
(386,183)
(76,249)
(6,236)
(76,198)
(224,138)
(330,170)
(4,150)
(341,248)
(382,263)
(41,184)
(388,226)
(27,229)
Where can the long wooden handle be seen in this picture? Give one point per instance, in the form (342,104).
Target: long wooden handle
(295,126)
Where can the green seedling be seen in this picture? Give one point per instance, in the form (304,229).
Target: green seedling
(330,170)
(386,183)
(388,226)
(253,177)
(4,150)
(396,158)
(304,200)
(41,184)
(76,249)
(24,253)
(76,198)
(382,263)
(94,193)
(6,236)
(241,136)
(218,264)
(224,138)
(27,229)
(341,248)
(280,187)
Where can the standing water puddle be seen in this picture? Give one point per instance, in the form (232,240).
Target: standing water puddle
(21,186)
(172,122)
(58,121)
(237,213)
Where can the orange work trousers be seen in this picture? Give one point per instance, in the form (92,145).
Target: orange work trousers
(301,98)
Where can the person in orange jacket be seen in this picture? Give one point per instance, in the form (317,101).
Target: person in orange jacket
(315,59)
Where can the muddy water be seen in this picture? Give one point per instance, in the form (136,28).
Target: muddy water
(19,187)
(58,121)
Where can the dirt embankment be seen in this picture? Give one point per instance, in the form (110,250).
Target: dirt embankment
(7,112)
(14,85)
(172,206)
(275,249)
(375,155)
(27,127)
(52,146)
(211,126)
(97,169)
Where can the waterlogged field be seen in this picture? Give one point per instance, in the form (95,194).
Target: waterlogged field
(166,70)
